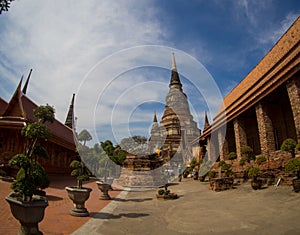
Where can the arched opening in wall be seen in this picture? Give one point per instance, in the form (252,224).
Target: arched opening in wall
(229,143)
(280,112)
(251,129)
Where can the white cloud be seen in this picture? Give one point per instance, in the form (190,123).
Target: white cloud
(272,35)
(62,40)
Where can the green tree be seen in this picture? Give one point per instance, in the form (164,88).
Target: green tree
(5,5)
(84,136)
(289,145)
(115,153)
(248,153)
(32,175)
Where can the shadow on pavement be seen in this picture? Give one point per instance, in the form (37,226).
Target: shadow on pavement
(132,200)
(54,198)
(104,215)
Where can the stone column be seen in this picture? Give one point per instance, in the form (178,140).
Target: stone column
(223,145)
(240,135)
(265,129)
(208,148)
(293,88)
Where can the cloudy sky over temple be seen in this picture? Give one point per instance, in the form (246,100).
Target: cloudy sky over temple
(100,51)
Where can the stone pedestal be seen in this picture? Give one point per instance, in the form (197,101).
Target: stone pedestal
(142,171)
(149,178)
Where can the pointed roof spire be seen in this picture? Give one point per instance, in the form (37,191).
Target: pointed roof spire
(70,117)
(175,81)
(174,68)
(26,83)
(155,118)
(206,123)
(15,106)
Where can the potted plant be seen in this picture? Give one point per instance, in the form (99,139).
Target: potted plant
(104,185)
(293,165)
(254,173)
(26,206)
(165,193)
(79,194)
(289,145)
(222,183)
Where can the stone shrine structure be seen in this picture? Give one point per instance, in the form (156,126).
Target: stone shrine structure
(177,127)
(142,171)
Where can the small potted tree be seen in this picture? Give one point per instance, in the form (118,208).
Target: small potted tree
(254,173)
(292,165)
(222,183)
(289,145)
(79,194)
(165,193)
(104,185)
(26,206)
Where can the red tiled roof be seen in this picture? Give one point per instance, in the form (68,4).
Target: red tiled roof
(61,133)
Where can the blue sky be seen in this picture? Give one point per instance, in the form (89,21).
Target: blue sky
(67,43)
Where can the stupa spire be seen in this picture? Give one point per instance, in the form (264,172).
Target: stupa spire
(155,118)
(174,67)
(206,123)
(175,81)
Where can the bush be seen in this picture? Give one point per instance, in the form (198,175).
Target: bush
(253,172)
(242,161)
(248,153)
(292,165)
(289,145)
(260,159)
(212,174)
(232,156)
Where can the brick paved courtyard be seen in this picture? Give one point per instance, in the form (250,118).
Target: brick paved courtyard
(57,220)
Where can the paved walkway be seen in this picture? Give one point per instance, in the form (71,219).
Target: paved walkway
(57,220)
(198,210)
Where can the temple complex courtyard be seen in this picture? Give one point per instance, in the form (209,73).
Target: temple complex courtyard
(198,210)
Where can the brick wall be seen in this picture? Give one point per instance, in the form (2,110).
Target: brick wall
(293,88)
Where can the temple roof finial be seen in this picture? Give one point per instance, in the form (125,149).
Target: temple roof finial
(26,83)
(70,117)
(15,106)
